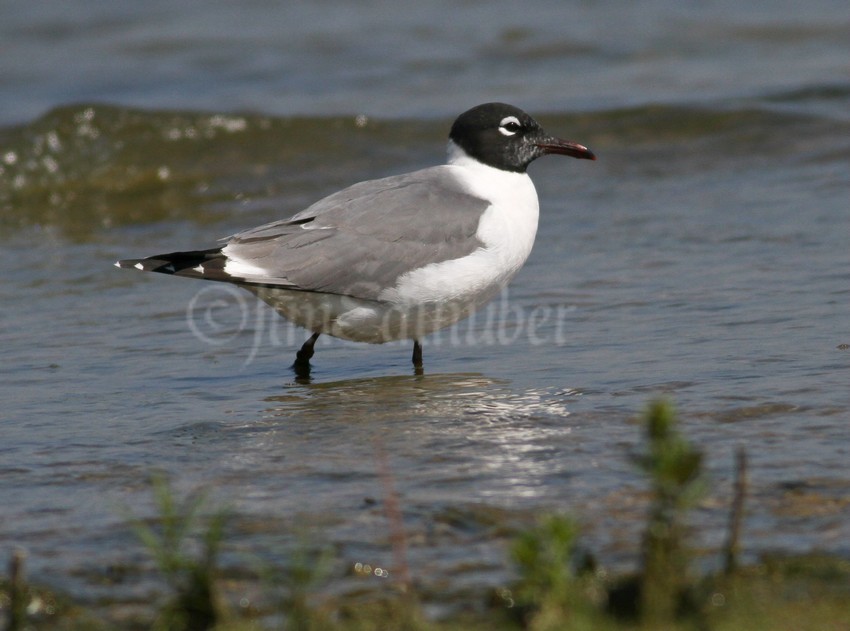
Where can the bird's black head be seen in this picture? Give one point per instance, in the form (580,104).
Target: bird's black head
(503,136)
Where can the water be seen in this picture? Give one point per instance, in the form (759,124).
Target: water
(703,257)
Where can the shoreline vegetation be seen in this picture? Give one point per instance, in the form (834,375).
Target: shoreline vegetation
(557,585)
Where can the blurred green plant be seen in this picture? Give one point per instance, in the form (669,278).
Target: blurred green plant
(18,594)
(191,575)
(310,567)
(544,556)
(674,468)
(556,589)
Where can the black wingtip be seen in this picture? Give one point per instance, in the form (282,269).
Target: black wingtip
(144,265)
(151,264)
(173,262)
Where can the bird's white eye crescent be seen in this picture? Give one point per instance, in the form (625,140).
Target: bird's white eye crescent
(509,126)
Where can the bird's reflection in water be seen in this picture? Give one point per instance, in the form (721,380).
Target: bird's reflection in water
(460,429)
(380,397)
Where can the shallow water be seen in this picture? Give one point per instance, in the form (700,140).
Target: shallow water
(703,257)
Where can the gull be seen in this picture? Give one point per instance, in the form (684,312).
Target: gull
(398,257)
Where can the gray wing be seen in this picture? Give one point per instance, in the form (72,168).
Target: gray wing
(360,240)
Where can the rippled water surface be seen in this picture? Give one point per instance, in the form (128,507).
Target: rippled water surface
(703,257)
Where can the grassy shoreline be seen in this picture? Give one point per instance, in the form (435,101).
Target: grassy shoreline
(558,586)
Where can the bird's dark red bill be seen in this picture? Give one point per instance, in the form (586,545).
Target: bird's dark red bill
(566,148)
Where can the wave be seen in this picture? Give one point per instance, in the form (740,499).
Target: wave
(83,168)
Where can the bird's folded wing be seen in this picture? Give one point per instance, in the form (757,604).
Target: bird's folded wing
(360,240)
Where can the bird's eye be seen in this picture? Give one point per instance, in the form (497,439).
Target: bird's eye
(509,126)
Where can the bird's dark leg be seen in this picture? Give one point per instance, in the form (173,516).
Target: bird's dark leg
(302,357)
(417,356)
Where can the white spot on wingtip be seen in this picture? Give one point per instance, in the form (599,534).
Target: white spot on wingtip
(199,269)
(139,266)
(117,263)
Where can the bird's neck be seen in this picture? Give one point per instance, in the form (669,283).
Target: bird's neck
(455,155)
